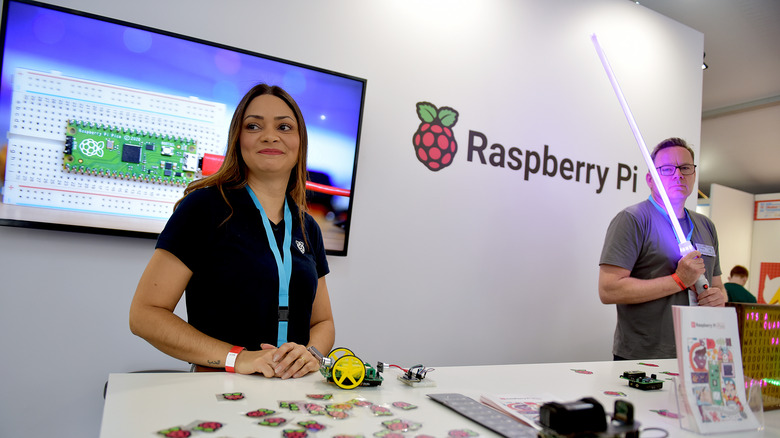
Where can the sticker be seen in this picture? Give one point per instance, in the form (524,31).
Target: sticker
(388,434)
(338,415)
(461,433)
(291,405)
(314,409)
(260,413)
(615,393)
(175,432)
(404,405)
(399,425)
(319,396)
(339,406)
(665,413)
(294,433)
(582,371)
(312,425)
(380,411)
(230,396)
(361,402)
(648,364)
(272,421)
(207,426)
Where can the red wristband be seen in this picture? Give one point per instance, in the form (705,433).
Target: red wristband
(230,361)
(679,282)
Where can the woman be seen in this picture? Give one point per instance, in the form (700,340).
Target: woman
(230,240)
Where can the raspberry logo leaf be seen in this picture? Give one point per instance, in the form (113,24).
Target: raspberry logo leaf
(448,116)
(434,142)
(426,111)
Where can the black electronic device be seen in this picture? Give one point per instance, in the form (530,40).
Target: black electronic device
(584,415)
(586,418)
(639,380)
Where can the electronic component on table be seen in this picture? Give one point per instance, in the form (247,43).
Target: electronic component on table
(586,418)
(416,377)
(639,380)
(346,370)
(128,154)
(484,415)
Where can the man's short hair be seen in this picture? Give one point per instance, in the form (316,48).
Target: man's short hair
(670,143)
(739,270)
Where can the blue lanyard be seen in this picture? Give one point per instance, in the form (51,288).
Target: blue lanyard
(666,215)
(284,265)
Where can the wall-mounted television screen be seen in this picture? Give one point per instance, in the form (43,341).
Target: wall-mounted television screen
(104,122)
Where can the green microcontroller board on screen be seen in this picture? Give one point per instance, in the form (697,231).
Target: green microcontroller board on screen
(129,154)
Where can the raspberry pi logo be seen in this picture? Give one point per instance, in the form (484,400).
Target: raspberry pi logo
(434,143)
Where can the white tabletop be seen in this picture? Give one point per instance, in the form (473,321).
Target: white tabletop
(142,404)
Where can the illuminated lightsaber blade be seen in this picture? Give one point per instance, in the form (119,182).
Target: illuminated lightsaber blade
(685,245)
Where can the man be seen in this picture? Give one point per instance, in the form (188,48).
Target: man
(641,270)
(735,287)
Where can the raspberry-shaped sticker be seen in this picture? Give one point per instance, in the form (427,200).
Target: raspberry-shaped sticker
(293,406)
(380,411)
(208,426)
(175,432)
(338,415)
(461,433)
(273,421)
(314,409)
(434,142)
(294,433)
(388,434)
(399,425)
(260,413)
(311,425)
(360,402)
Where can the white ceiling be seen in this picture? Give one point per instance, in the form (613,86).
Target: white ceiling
(740,141)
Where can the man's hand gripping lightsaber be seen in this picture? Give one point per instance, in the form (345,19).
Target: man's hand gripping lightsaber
(685,245)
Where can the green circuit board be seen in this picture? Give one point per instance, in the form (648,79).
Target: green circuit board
(129,154)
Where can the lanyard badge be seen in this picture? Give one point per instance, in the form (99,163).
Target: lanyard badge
(283,262)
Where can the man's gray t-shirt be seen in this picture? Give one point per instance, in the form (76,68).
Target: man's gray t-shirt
(642,240)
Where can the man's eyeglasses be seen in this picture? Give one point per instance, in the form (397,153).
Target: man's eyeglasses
(685,169)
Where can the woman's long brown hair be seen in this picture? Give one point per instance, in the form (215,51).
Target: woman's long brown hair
(233,172)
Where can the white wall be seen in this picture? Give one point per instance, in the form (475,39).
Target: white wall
(473,264)
(732,212)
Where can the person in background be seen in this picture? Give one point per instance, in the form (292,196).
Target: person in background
(641,271)
(735,287)
(237,242)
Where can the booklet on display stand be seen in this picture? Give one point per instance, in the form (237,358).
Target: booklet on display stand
(711,389)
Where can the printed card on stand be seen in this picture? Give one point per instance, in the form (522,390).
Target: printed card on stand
(711,386)
(521,407)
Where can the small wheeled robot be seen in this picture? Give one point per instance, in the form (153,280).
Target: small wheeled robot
(346,370)
(639,380)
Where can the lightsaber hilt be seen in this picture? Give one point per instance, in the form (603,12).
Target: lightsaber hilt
(701,284)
